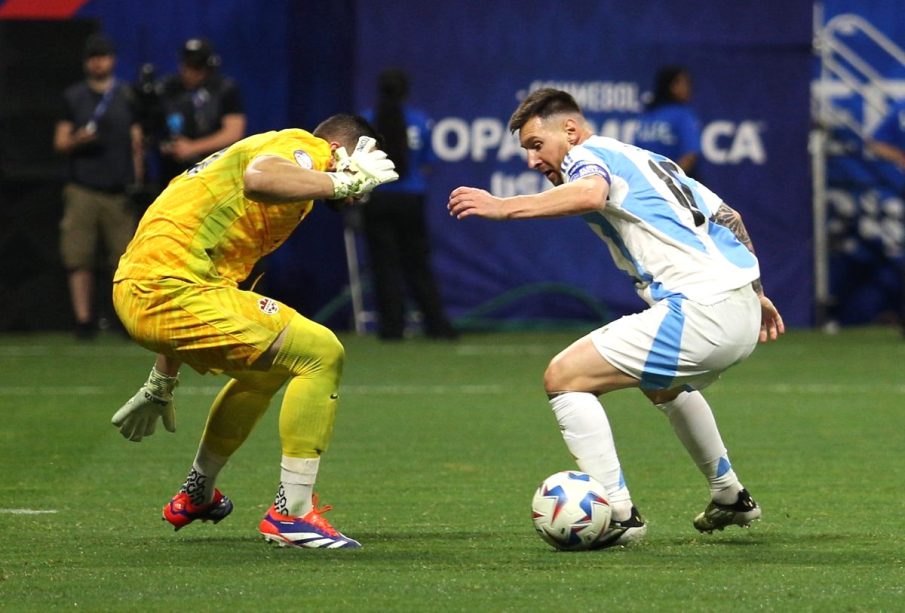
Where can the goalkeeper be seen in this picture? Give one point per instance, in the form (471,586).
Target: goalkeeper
(176,292)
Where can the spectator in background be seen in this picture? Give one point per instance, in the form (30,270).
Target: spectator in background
(669,126)
(888,143)
(394,218)
(98,131)
(202,109)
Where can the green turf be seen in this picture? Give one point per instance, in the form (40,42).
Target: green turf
(437,451)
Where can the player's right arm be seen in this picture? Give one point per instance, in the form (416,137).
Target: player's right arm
(574,198)
(271,179)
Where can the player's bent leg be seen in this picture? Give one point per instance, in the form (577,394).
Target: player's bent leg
(238,408)
(572,380)
(693,422)
(233,415)
(313,357)
(580,367)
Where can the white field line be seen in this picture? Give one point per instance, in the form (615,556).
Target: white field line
(210,390)
(79,351)
(132,350)
(27,511)
(816,389)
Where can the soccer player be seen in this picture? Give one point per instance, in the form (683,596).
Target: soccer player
(691,260)
(176,292)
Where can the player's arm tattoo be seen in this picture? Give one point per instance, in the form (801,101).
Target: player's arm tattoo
(728,217)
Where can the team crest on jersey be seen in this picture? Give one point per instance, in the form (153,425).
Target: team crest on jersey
(303,159)
(268,306)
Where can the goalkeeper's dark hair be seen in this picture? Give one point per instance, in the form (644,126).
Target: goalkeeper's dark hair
(543,103)
(346,129)
(389,117)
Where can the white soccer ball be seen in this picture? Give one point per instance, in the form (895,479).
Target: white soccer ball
(570,510)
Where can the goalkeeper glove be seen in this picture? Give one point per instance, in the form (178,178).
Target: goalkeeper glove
(154,400)
(365,169)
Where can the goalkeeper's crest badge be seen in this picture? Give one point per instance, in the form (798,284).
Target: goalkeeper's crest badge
(268,306)
(303,159)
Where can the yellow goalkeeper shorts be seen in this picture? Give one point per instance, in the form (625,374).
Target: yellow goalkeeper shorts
(211,328)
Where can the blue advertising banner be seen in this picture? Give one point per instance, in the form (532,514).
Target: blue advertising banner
(470,64)
(859,77)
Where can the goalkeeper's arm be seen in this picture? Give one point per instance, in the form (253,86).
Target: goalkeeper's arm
(272,179)
(275,180)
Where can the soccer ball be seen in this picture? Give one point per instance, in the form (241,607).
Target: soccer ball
(570,510)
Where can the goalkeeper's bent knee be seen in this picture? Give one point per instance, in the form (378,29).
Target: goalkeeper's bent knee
(310,349)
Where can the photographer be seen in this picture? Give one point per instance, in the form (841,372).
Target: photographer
(99,133)
(202,110)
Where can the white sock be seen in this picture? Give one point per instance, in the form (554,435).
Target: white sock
(297,477)
(199,485)
(586,431)
(694,424)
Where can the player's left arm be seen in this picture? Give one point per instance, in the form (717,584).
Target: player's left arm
(728,217)
(575,198)
(771,321)
(137,418)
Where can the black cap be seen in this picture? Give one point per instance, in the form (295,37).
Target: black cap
(197,53)
(98,44)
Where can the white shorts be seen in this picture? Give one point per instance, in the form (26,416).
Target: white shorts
(677,342)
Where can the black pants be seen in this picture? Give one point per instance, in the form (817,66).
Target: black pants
(399,250)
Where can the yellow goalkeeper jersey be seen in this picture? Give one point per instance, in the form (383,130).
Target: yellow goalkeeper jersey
(203,229)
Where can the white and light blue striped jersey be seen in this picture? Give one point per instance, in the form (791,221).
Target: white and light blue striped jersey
(657,225)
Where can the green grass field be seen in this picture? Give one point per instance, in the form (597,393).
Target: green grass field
(437,451)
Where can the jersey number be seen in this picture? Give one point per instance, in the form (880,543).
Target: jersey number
(668,173)
(205,162)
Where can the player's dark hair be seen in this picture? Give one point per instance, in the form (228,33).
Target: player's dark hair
(389,117)
(345,129)
(663,81)
(543,103)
